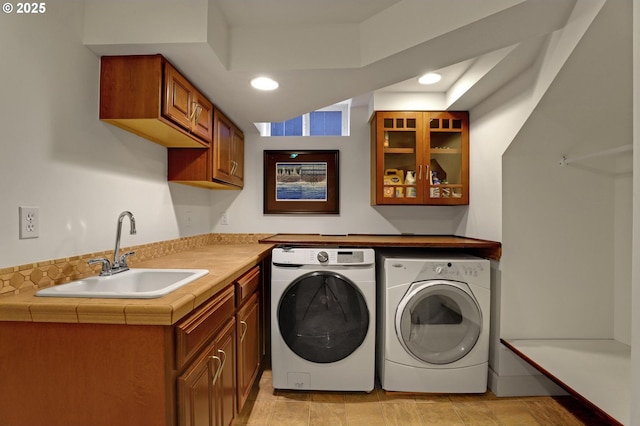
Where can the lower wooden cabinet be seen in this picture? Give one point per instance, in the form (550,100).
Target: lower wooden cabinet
(206,390)
(196,372)
(249,349)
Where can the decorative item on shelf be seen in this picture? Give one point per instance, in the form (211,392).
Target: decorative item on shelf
(435,192)
(386,139)
(393,177)
(410,179)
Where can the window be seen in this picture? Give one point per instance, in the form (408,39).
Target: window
(329,121)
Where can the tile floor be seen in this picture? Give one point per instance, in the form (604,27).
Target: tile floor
(269,407)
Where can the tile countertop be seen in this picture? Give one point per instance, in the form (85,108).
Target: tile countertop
(225,263)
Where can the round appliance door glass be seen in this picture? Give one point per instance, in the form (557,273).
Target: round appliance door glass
(323,317)
(438,321)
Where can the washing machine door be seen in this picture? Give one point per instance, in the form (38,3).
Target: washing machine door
(323,317)
(438,321)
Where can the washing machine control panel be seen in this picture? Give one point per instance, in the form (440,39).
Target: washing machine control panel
(322,256)
(455,269)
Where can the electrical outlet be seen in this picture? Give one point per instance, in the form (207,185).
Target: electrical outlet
(29,222)
(224,219)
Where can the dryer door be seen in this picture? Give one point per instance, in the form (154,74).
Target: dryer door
(438,321)
(323,317)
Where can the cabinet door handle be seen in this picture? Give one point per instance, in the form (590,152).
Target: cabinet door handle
(194,108)
(245,327)
(224,360)
(199,111)
(218,370)
(420,172)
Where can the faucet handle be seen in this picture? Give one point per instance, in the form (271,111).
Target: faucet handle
(106,265)
(123,259)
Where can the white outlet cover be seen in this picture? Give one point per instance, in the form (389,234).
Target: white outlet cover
(29,222)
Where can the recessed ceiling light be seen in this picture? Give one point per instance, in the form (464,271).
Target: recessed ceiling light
(264,83)
(430,78)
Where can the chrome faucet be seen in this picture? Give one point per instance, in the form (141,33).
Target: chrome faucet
(119,262)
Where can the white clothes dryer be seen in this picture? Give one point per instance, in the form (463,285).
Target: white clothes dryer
(323,315)
(433,327)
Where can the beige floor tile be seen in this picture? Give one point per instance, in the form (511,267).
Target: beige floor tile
(334,397)
(327,414)
(269,407)
(512,412)
(289,413)
(403,413)
(256,413)
(475,413)
(364,414)
(361,397)
(292,395)
(396,396)
(431,397)
(441,413)
(550,413)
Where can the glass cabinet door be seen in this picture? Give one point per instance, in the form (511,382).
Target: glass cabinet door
(399,136)
(447,177)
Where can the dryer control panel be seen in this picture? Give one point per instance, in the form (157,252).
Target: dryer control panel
(322,256)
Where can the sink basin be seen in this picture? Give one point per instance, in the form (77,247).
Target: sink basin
(131,284)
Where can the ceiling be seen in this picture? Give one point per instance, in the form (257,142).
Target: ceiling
(328,51)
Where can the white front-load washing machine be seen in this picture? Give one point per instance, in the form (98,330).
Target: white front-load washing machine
(323,316)
(433,327)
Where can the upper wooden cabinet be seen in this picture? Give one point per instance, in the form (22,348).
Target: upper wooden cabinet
(221,166)
(228,157)
(148,96)
(420,158)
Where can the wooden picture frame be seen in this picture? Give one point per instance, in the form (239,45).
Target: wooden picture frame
(301,182)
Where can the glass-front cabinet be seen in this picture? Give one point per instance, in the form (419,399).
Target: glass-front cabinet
(420,157)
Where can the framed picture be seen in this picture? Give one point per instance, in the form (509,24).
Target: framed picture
(301,182)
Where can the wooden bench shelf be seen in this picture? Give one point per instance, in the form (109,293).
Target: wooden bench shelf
(598,371)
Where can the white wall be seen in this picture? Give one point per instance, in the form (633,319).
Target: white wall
(559,234)
(58,156)
(635,273)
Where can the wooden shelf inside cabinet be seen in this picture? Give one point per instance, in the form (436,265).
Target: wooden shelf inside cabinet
(399,150)
(146,95)
(445,151)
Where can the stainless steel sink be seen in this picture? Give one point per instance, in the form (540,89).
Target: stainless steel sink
(131,284)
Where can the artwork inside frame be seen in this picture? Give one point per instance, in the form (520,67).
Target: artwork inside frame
(301,182)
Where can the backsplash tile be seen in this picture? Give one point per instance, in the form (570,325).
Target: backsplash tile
(59,271)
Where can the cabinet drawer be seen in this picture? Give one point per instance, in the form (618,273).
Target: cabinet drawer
(195,331)
(247,284)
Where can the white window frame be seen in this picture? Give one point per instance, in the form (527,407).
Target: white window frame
(344,107)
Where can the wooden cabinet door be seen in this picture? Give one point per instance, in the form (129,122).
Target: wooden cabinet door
(222,147)
(397,140)
(178,97)
(446,157)
(249,349)
(225,385)
(203,118)
(237,162)
(195,390)
(228,152)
